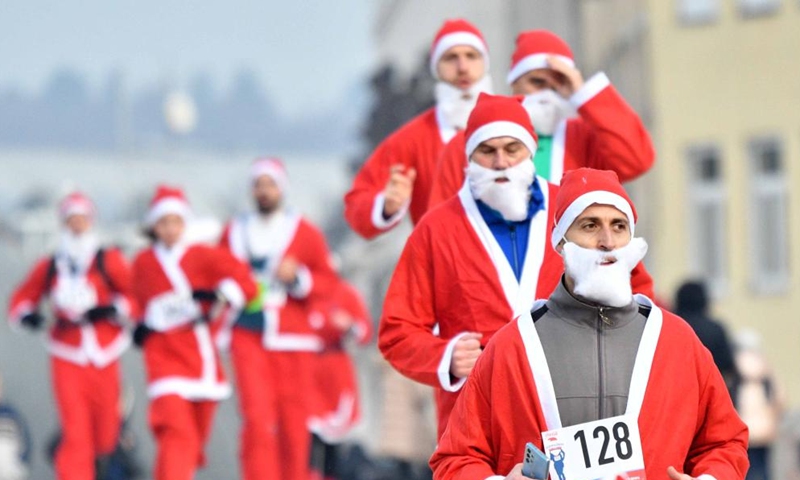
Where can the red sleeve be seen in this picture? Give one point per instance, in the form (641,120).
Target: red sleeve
(719,447)
(141,283)
(369,182)
(232,277)
(641,281)
(405,334)
(465,450)
(25,299)
(449,174)
(615,135)
(119,271)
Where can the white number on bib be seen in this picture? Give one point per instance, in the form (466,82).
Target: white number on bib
(171,310)
(596,450)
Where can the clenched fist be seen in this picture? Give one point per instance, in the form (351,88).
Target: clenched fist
(465,353)
(398,189)
(286,273)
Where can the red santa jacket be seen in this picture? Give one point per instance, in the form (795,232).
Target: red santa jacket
(453,274)
(180,355)
(72,338)
(335,404)
(286,313)
(417,144)
(608,135)
(686,418)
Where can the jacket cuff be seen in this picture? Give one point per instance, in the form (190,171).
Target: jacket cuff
(377,213)
(16,313)
(706,476)
(589,90)
(232,293)
(443,371)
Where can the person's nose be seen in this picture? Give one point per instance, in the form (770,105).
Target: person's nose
(606,240)
(501,160)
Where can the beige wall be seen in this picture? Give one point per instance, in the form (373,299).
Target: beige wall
(726,82)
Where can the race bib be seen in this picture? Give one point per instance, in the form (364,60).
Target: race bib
(74,296)
(170,310)
(606,449)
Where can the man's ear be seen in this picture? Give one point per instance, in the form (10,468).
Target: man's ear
(560,246)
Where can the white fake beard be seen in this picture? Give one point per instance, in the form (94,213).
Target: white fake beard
(510,198)
(547,109)
(456,104)
(608,285)
(81,249)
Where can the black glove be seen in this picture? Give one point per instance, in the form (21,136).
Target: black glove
(204,295)
(140,334)
(33,320)
(103,312)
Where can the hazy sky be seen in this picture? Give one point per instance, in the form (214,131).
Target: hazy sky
(308,53)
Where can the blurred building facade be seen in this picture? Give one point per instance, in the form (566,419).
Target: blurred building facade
(714,80)
(715,83)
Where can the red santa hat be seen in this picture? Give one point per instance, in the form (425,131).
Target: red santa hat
(584,187)
(76,203)
(273,168)
(167,200)
(457,32)
(499,116)
(533,48)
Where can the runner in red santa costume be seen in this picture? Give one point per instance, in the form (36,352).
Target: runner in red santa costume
(397,177)
(336,407)
(478,260)
(180,287)
(580,124)
(273,345)
(89,289)
(604,382)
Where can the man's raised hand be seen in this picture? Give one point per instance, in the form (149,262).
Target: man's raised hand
(398,189)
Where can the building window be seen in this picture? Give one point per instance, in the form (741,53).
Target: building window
(768,216)
(707,217)
(758,8)
(697,12)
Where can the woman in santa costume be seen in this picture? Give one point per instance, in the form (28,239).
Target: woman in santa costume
(397,177)
(336,407)
(605,383)
(180,287)
(476,262)
(89,289)
(579,123)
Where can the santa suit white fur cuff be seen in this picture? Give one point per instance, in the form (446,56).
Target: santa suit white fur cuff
(706,476)
(590,89)
(443,372)
(232,293)
(377,213)
(496,477)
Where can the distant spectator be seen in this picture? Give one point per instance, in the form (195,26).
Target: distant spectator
(15,442)
(691,303)
(759,400)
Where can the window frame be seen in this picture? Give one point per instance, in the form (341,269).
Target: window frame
(702,192)
(768,186)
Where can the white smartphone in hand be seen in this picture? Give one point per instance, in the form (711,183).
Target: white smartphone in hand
(535,463)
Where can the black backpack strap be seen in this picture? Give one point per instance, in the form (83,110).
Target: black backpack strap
(51,274)
(100,261)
